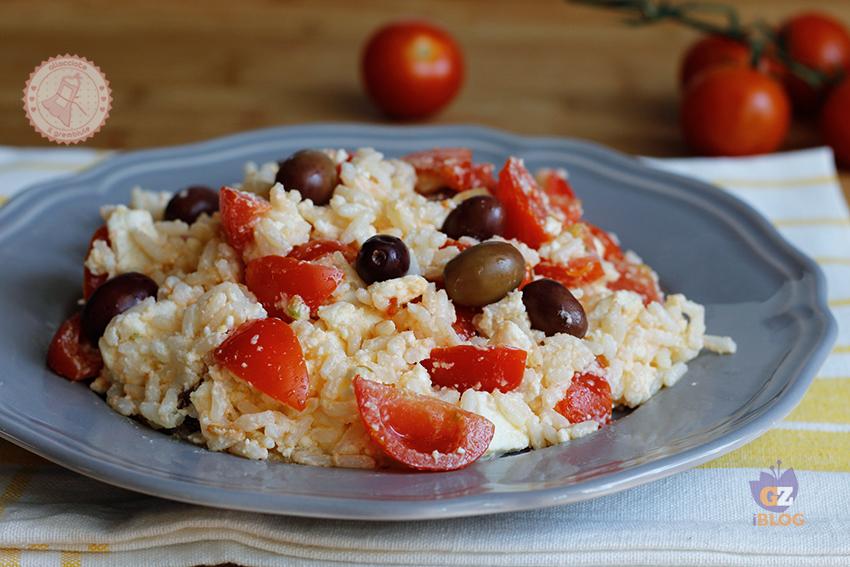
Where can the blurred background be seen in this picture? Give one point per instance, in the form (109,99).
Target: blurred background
(186,71)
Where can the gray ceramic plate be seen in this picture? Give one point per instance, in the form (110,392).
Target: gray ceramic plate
(712,247)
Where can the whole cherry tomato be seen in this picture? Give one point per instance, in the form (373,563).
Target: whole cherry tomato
(818,41)
(835,122)
(734,111)
(712,51)
(412,69)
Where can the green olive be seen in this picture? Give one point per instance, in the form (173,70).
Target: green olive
(484,273)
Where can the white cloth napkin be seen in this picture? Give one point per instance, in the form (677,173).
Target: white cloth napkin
(49,516)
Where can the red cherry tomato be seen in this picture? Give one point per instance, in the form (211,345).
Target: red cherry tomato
(734,111)
(412,69)
(266,354)
(315,249)
(576,273)
(835,122)
(818,41)
(479,368)
(450,168)
(587,398)
(525,209)
(712,51)
(71,355)
(239,212)
(276,279)
(637,278)
(560,193)
(463,325)
(91,281)
(610,249)
(421,432)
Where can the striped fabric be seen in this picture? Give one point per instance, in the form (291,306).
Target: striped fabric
(706,516)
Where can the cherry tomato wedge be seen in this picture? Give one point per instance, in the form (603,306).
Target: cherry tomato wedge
(637,278)
(421,432)
(610,249)
(451,168)
(467,367)
(276,279)
(71,355)
(315,249)
(576,273)
(456,243)
(266,354)
(560,193)
(587,398)
(239,212)
(463,325)
(525,209)
(91,281)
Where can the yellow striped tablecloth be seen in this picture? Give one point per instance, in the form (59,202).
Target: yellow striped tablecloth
(49,516)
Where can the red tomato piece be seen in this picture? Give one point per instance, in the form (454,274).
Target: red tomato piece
(239,212)
(91,281)
(463,325)
(70,353)
(266,354)
(315,249)
(576,273)
(560,193)
(587,398)
(637,278)
(525,209)
(421,432)
(461,246)
(276,279)
(486,369)
(451,168)
(611,250)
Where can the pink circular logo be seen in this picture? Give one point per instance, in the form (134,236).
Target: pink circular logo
(67,99)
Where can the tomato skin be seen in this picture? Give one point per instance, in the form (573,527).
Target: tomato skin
(463,325)
(587,398)
(611,251)
(835,122)
(91,281)
(266,354)
(273,279)
(467,367)
(560,193)
(819,41)
(449,168)
(577,272)
(525,209)
(637,278)
(410,427)
(412,69)
(712,51)
(239,212)
(316,249)
(733,111)
(70,353)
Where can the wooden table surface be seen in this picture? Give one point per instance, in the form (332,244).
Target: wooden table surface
(181,72)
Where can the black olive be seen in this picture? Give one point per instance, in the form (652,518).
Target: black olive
(484,273)
(113,297)
(312,173)
(381,258)
(553,309)
(190,203)
(480,217)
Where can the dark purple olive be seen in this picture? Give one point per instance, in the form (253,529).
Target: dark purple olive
(312,173)
(553,309)
(113,297)
(480,217)
(381,258)
(190,203)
